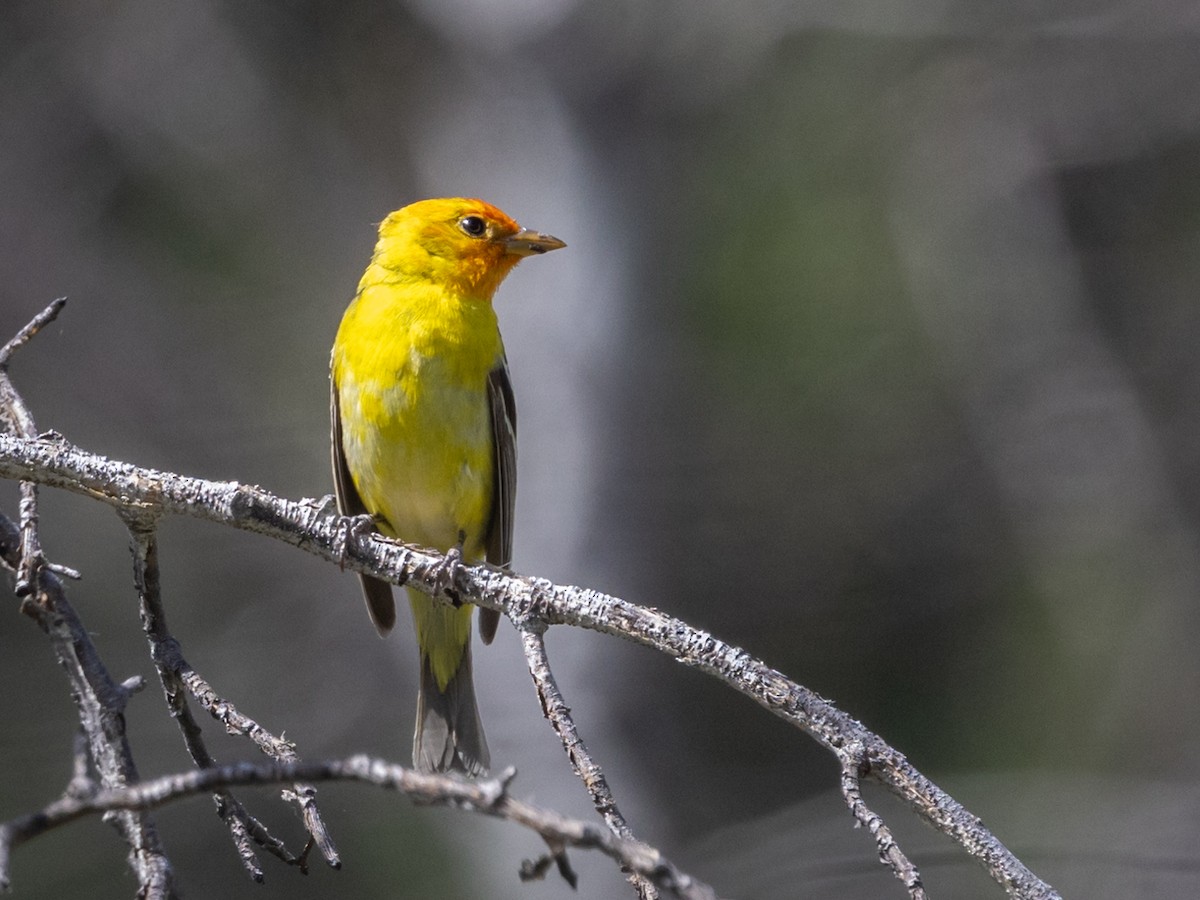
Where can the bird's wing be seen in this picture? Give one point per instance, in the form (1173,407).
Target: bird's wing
(503,407)
(380,604)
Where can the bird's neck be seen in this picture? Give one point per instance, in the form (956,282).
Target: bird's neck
(474,276)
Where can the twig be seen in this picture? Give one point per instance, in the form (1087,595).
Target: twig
(236,722)
(16,419)
(99,701)
(489,797)
(170,664)
(145,555)
(890,853)
(36,324)
(556,711)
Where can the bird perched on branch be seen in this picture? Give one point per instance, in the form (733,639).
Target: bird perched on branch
(424,434)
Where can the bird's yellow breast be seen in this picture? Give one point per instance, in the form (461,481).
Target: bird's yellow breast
(410,364)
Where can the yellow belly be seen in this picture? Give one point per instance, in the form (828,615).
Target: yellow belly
(411,369)
(423,463)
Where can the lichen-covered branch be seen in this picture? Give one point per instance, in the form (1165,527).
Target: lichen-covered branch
(20,551)
(890,853)
(487,796)
(99,700)
(313,526)
(142,495)
(558,714)
(179,680)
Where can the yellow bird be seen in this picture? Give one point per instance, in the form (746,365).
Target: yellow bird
(424,434)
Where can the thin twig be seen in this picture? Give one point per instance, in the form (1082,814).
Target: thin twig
(488,796)
(143,545)
(36,324)
(16,419)
(238,723)
(890,853)
(556,711)
(32,558)
(178,679)
(100,702)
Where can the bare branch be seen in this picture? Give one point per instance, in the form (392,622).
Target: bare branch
(16,419)
(99,700)
(489,797)
(556,711)
(36,324)
(171,666)
(142,495)
(890,853)
(312,526)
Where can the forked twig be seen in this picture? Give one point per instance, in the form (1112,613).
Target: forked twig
(487,796)
(16,419)
(100,701)
(179,679)
(890,854)
(556,711)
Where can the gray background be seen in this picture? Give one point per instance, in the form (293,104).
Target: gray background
(873,351)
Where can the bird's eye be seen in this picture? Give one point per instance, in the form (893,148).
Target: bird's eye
(473,225)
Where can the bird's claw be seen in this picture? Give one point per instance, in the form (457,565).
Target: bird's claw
(351,527)
(445,572)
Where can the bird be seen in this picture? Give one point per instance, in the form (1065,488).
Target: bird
(424,435)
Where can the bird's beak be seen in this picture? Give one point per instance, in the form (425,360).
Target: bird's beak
(530,243)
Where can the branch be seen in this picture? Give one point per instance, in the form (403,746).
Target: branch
(99,701)
(890,853)
(314,527)
(488,797)
(143,495)
(556,711)
(178,680)
(102,742)
(16,419)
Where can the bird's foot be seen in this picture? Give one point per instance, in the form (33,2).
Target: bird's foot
(351,527)
(446,571)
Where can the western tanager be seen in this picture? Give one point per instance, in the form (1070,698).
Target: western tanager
(424,433)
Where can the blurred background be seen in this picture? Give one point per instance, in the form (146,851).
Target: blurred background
(873,352)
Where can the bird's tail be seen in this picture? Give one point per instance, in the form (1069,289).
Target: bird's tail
(449,735)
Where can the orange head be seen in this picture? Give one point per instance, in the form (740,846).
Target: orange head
(462,244)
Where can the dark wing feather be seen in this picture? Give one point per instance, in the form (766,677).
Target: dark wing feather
(504,492)
(380,604)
